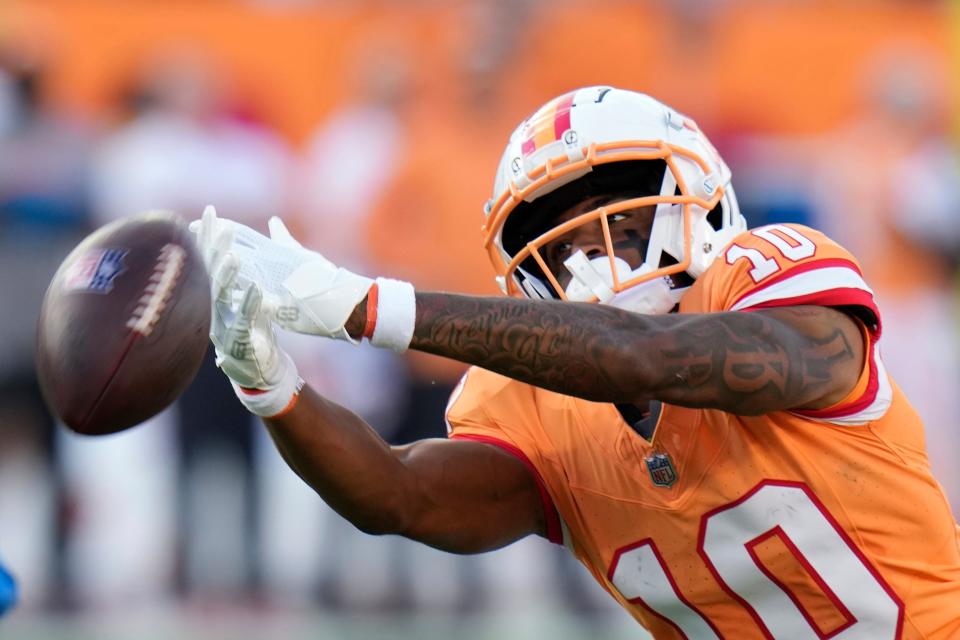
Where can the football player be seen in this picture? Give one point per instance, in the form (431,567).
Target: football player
(697,411)
(8,591)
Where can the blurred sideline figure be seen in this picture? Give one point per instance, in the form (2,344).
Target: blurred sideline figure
(44,211)
(889,190)
(460,107)
(307,549)
(8,590)
(182,140)
(699,412)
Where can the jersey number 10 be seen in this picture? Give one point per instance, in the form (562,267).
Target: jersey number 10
(727,542)
(797,248)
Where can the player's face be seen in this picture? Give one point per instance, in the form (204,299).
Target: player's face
(629,232)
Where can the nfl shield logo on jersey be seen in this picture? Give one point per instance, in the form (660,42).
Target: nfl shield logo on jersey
(661,470)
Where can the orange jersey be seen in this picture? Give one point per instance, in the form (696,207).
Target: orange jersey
(795,524)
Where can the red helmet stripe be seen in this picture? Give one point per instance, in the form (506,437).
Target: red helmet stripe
(561,118)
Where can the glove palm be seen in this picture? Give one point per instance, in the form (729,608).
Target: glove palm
(263,375)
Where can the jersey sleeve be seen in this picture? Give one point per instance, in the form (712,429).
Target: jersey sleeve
(488,408)
(785,265)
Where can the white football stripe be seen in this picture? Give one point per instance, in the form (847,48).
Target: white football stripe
(159,289)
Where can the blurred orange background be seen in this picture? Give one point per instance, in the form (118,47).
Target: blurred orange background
(768,66)
(836,113)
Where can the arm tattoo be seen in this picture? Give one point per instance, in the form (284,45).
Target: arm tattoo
(741,362)
(555,345)
(753,363)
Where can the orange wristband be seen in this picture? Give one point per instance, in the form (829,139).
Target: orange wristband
(286,409)
(371,324)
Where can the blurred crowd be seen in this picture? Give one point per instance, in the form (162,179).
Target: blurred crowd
(389,179)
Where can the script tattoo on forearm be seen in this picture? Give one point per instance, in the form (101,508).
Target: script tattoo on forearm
(742,361)
(549,344)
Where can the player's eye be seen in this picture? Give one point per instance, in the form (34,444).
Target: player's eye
(614,218)
(560,251)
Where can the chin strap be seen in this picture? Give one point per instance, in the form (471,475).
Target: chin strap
(650,298)
(592,279)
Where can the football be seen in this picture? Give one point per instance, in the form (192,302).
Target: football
(124,324)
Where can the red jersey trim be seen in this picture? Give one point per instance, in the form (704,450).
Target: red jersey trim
(552,518)
(801,268)
(829,298)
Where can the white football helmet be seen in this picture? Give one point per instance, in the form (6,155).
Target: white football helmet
(601,141)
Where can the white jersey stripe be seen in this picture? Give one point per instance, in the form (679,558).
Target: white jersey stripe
(805,283)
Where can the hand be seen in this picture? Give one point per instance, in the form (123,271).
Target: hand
(263,376)
(302,291)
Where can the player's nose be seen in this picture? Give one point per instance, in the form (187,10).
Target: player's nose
(589,240)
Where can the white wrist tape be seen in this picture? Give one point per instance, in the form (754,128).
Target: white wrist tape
(396,315)
(273,402)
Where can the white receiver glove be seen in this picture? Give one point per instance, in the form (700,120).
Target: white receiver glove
(263,376)
(306,293)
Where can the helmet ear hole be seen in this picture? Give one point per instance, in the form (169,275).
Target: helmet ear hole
(679,280)
(715,217)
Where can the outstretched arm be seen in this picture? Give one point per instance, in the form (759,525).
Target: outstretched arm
(456,495)
(744,362)
(806,357)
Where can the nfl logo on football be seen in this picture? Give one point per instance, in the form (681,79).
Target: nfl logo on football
(94,271)
(661,470)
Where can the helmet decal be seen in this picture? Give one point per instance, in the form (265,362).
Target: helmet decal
(548,124)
